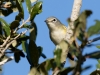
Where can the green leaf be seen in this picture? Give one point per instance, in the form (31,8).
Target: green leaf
(80,25)
(65,71)
(63,45)
(25,45)
(94,55)
(98,46)
(33,53)
(21,14)
(34,71)
(40,49)
(26,26)
(20,7)
(45,66)
(96,72)
(99,61)
(17,57)
(98,66)
(35,10)
(0,28)
(57,53)
(14,44)
(23,38)
(86,68)
(33,31)
(28,3)
(18,18)
(5,27)
(32,1)
(14,24)
(95,29)
(22,54)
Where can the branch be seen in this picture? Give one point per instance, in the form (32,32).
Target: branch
(75,13)
(69,35)
(6,60)
(93,40)
(5,42)
(24,22)
(2,51)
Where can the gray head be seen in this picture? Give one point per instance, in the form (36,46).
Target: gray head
(53,23)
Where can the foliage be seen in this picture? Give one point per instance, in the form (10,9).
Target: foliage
(10,39)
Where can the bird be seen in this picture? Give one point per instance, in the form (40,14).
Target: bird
(57,31)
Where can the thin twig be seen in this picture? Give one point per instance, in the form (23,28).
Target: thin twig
(5,42)
(22,25)
(93,40)
(6,60)
(2,52)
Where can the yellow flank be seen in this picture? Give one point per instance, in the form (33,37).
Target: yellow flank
(64,29)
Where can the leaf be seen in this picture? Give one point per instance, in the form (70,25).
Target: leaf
(65,71)
(4,57)
(94,55)
(20,8)
(57,53)
(86,68)
(35,10)
(28,3)
(14,24)
(14,44)
(96,72)
(24,45)
(40,49)
(98,66)
(17,53)
(5,12)
(63,45)
(26,26)
(33,53)
(98,46)
(95,29)
(18,18)
(5,27)
(34,71)
(0,28)
(80,25)
(23,38)
(45,66)
(33,31)
(21,14)
(17,57)
(22,54)
(32,1)
(99,61)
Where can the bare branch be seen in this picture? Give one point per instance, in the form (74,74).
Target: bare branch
(24,22)
(75,13)
(6,60)
(5,42)
(93,40)
(69,35)
(8,44)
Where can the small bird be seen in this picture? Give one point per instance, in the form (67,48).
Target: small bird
(57,31)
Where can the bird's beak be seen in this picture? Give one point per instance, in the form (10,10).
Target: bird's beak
(45,20)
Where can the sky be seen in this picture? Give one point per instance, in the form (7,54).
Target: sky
(62,10)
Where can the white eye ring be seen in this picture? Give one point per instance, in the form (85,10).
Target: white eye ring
(54,20)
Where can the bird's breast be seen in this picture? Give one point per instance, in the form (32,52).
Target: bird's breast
(57,36)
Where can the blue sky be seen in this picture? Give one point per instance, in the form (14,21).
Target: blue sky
(62,10)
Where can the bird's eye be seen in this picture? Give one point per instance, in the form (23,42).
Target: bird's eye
(54,20)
